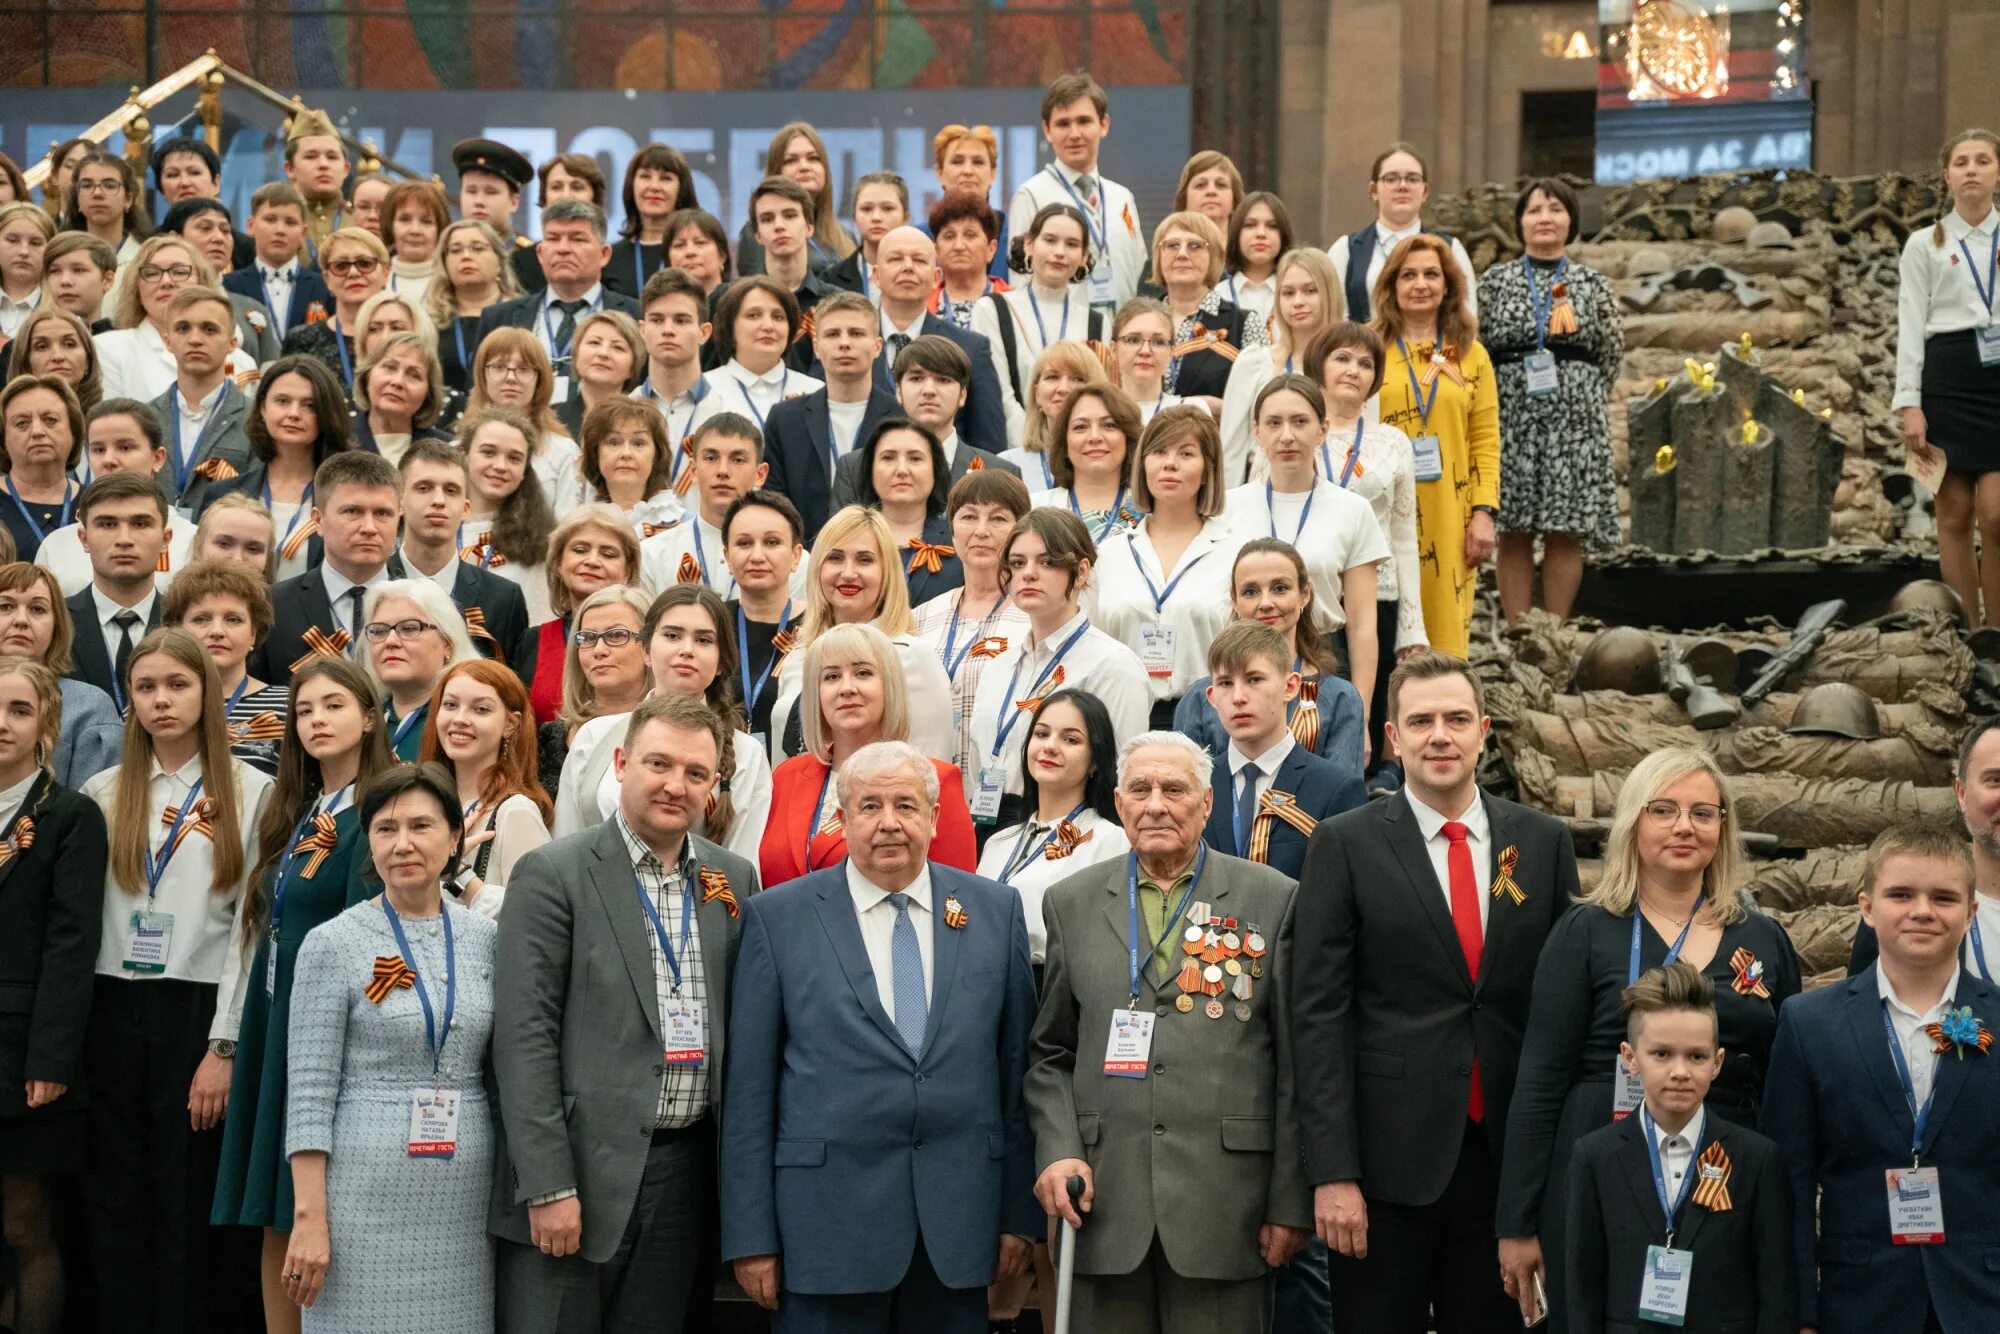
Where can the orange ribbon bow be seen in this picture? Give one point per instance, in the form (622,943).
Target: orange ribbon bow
(647,530)
(1562,315)
(977,464)
(199,824)
(1272,807)
(320,644)
(318,843)
(805,328)
(715,885)
(781,644)
(1749,980)
(1066,841)
(1305,719)
(990,647)
(297,541)
(1203,339)
(1503,883)
(475,625)
(390,973)
(482,553)
(316,313)
(1055,679)
(1712,1171)
(930,555)
(689,571)
(685,483)
(19,841)
(266,726)
(215,468)
(1441,359)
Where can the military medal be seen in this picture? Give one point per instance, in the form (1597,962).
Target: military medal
(1240,988)
(954,913)
(1191,940)
(1184,1003)
(1243,1011)
(1232,967)
(1213,1009)
(1190,976)
(1211,980)
(1231,942)
(1253,944)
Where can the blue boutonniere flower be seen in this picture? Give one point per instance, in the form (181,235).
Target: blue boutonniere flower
(1958,1030)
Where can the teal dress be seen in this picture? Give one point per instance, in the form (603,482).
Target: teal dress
(406,735)
(254,1185)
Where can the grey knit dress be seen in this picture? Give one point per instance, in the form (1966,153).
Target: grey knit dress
(408,1241)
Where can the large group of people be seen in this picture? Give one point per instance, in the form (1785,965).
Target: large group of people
(941,759)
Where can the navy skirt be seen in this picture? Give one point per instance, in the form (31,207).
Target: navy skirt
(1961,401)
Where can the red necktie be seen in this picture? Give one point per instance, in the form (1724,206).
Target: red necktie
(1465,920)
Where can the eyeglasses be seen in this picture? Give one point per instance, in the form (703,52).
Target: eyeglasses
(1137,341)
(1400,178)
(410,629)
(457,248)
(510,372)
(99,187)
(1191,246)
(361,264)
(1667,814)
(180,273)
(616,637)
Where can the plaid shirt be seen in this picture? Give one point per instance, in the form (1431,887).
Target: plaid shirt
(684,1088)
(934,619)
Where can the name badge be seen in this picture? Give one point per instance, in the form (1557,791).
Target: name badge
(1988,340)
(433,1123)
(148,939)
(684,1032)
(270,966)
(560,394)
(1156,648)
(1429,458)
(1663,1288)
(1130,1044)
(1916,1206)
(1102,293)
(1541,368)
(1627,1090)
(988,786)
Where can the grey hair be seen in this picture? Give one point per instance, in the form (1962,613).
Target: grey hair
(878,759)
(444,613)
(1198,759)
(577,210)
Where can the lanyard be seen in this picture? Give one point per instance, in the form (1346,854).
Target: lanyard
(701,557)
(1099,232)
(1545,301)
(1232,295)
(1009,713)
(638,268)
(751,694)
(1673,953)
(1978,950)
(750,403)
(1423,405)
(284,317)
(403,727)
(235,695)
(819,807)
(1670,1208)
(1062,330)
(549,325)
(862,260)
(432,1034)
(305,503)
(1353,456)
(156,864)
(1132,910)
(346,360)
(182,466)
(1014,859)
(458,334)
(1110,518)
(951,664)
(68,503)
(1921,1115)
(672,956)
(1305,511)
(1985,289)
(1159,597)
(292,853)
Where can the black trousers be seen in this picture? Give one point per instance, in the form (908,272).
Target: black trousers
(1431,1266)
(149,1180)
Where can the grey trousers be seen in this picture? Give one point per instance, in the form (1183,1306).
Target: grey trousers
(1153,1299)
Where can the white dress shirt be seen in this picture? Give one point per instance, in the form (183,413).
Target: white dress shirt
(1936,294)
(1478,837)
(194,415)
(732,387)
(278,285)
(338,586)
(108,612)
(588,793)
(1198,608)
(136,363)
(14,312)
(877,917)
(62,555)
(1338,534)
(1909,1024)
(1268,764)
(1256,299)
(1113,214)
(1677,1150)
(548,320)
(1096,663)
(1985,920)
(11,798)
(445,577)
(914,329)
(1017,856)
(1386,241)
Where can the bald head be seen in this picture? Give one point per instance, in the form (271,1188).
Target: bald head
(905,270)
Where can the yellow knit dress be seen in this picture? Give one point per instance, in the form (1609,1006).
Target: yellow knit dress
(1465,418)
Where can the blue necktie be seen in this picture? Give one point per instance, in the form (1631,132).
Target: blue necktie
(907,967)
(1246,806)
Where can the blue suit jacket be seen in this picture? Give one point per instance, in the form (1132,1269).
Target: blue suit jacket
(1340,731)
(827,1117)
(982,419)
(1836,1109)
(1323,790)
(307,287)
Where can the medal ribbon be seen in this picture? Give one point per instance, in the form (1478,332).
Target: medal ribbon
(952,664)
(289,544)
(1272,807)
(929,556)
(1544,304)
(432,1034)
(316,845)
(715,885)
(1062,829)
(1305,718)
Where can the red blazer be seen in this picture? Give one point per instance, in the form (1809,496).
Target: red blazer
(795,790)
(546,690)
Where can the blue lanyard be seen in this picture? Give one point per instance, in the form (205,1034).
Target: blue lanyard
(1062,330)
(751,694)
(1985,289)
(700,554)
(1009,714)
(1159,597)
(748,402)
(1921,1115)
(1423,404)
(1232,295)
(1545,301)
(305,503)
(638,268)
(1670,1208)
(403,727)
(292,853)
(672,956)
(1353,456)
(1132,910)
(68,504)
(862,261)
(819,807)
(1673,952)
(182,466)
(156,866)
(1110,519)
(951,664)
(234,696)
(432,1034)
(340,348)
(1014,859)
(1305,511)
(549,326)
(1099,234)
(458,334)
(1978,950)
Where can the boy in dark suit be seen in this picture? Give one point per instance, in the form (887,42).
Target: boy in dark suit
(1677,1217)
(1885,1098)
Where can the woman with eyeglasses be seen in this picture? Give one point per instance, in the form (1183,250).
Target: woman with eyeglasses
(605,673)
(413,632)
(355,264)
(133,358)
(471,275)
(512,369)
(104,198)
(1142,341)
(1209,331)
(1398,184)
(1672,889)
(591,548)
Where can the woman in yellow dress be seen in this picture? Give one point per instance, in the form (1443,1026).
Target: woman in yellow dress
(1437,389)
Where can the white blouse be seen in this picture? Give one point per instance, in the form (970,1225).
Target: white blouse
(1131,591)
(1333,529)
(1384,475)
(515,839)
(1096,663)
(733,388)
(1938,295)
(1018,856)
(1256,299)
(559,468)
(1039,317)
(695,544)
(588,793)
(923,676)
(1034,466)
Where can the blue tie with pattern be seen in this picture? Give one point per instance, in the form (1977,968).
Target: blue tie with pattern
(907,968)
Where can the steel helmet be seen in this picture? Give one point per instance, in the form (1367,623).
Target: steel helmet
(1835,708)
(1622,657)
(1933,595)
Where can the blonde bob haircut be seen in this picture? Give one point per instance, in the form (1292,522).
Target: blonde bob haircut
(607,519)
(130,312)
(435,604)
(1721,880)
(579,696)
(1071,358)
(432,407)
(1173,426)
(354,238)
(420,319)
(844,644)
(853,524)
(48,695)
(1199,225)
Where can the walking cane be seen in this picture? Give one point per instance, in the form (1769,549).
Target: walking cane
(1066,1268)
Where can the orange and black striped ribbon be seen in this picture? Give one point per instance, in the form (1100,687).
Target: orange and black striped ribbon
(475,625)
(685,483)
(215,468)
(929,555)
(300,536)
(1305,718)
(19,841)
(689,571)
(715,885)
(165,563)
(1067,839)
(1201,339)
(266,726)
(1941,1044)
(1740,963)
(318,843)
(990,647)
(1272,807)
(647,530)
(482,553)
(1504,883)
(320,644)
(1055,680)
(390,973)
(199,824)
(1711,1187)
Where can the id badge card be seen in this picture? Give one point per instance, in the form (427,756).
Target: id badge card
(1916,1206)
(1663,1288)
(148,939)
(270,966)
(560,394)
(1429,458)
(987,788)
(1102,293)
(1988,340)
(1541,368)
(1627,1091)
(1156,648)
(1130,1044)
(684,1033)
(433,1123)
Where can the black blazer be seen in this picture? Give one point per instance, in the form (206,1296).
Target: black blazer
(90,656)
(495,611)
(846,275)
(307,287)
(847,477)
(626,276)
(525,312)
(982,418)
(1383,1002)
(362,435)
(1321,788)
(300,603)
(528,265)
(798,439)
(1743,1282)
(223,438)
(49,931)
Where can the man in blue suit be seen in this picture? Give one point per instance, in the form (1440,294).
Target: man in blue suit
(1885,1099)
(1270,792)
(875,1162)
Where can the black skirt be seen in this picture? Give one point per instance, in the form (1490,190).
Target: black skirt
(1961,401)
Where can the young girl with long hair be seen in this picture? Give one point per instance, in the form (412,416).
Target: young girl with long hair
(482,727)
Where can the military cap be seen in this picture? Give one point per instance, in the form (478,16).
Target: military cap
(494,158)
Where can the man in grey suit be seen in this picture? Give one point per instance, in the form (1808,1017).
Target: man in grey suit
(1162,1075)
(611,972)
(203,413)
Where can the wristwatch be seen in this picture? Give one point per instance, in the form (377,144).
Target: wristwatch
(1488,511)
(222,1047)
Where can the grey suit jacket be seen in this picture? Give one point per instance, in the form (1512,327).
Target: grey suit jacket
(1205,1149)
(577,1046)
(224,437)
(255,327)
